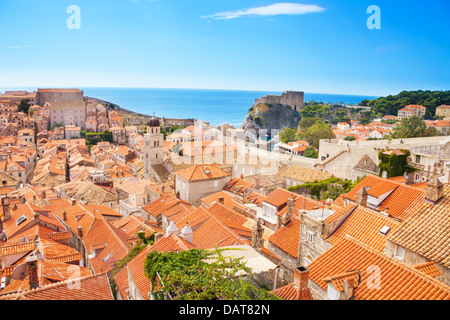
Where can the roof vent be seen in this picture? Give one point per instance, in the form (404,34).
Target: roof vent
(385,230)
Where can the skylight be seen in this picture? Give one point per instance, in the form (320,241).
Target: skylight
(385,230)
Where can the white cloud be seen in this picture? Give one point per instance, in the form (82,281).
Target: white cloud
(271,10)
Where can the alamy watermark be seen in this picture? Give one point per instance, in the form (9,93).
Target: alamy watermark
(74,20)
(374,21)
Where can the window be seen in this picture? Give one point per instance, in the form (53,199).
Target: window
(417,159)
(400,253)
(310,237)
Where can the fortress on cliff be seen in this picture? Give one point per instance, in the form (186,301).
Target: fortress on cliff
(294,99)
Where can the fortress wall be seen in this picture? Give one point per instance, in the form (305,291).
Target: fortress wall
(294,99)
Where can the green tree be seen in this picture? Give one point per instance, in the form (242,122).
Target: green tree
(317,132)
(288,135)
(350,138)
(24,105)
(187,276)
(413,127)
(310,152)
(308,122)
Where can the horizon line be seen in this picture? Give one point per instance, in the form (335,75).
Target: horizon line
(174,88)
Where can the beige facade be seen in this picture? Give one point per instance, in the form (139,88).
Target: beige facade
(194,191)
(68,113)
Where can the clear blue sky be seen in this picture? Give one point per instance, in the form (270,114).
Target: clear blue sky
(227,44)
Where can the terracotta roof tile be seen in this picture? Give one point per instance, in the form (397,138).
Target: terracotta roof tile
(429,268)
(397,280)
(287,238)
(202,172)
(94,287)
(364,225)
(426,231)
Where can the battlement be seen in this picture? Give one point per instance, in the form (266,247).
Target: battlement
(295,99)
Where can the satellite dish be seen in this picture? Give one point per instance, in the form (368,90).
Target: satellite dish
(20,272)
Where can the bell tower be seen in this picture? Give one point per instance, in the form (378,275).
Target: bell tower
(153,150)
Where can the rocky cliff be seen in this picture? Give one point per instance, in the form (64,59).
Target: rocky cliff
(270,116)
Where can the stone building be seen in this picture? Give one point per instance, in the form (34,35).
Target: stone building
(68,113)
(58,95)
(199,181)
(154,151)
(294,99)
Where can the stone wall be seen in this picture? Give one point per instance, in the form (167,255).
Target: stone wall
(339,157)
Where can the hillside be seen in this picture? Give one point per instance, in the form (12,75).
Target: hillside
(392,103)
(270,116)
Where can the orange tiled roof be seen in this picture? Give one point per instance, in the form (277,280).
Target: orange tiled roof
(364,225)
(401,202)
(17,248)
(202,172)
(162,204)
(231,219)
(287,238)
(352,277)
(292,292)
(121,280)
(398,281)
(278,197)
(94,287)
(172,243)
(136,270)
(426,231)
(429,268)
(209,230)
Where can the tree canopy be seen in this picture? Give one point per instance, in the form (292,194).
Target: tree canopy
(317,132)
(392,103)
(186,275)
(413,127)
(288,135)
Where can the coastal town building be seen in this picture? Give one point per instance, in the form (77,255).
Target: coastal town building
(412,110)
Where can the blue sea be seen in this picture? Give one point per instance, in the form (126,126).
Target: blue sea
(216,106)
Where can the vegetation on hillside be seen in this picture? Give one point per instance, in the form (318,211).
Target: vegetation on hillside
(392,103)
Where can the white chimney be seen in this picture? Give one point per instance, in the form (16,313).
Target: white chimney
(171,229)
(187,233)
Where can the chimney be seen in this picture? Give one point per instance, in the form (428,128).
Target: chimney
(158,236)
(80,231)
(162,189)
(221,200)
(74,202)
(171,229)
(242,176)
(435,188)
(257,235)
(6,208)
(32,269)
(282,221)
(64,215)
(361,197)
(187,233)
(301,277)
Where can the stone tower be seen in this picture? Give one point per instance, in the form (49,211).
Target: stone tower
(153,149)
